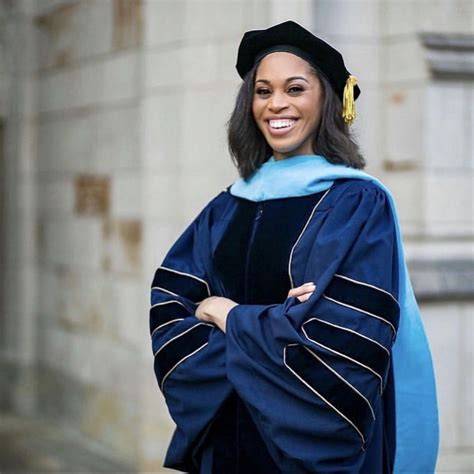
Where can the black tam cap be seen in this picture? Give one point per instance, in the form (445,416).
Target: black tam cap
(293,38)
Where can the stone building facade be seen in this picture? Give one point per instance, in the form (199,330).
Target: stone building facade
(112,138)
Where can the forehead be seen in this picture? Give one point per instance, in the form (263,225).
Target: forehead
(281,64)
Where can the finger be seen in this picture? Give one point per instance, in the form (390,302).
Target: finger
(305,297)
(301,290)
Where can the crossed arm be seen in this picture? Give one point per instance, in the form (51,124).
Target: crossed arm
(215,309)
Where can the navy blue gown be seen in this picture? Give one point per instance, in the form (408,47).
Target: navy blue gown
(291,387)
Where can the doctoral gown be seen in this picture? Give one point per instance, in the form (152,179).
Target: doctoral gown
(291,387)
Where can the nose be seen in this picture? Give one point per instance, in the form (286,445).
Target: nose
(277,101)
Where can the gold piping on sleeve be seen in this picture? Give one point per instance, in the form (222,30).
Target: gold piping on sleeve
(342,379)
(188,275)
(301,235)
(343,355)
(180,362)
(350,330)
(185,357)
(355,308)
(159,288)
(320,396)
(167,302)
(165,324)
(179,335)
(366,284)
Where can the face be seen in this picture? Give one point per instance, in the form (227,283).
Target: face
(286,104)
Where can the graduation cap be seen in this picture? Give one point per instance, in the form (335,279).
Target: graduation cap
(293,38)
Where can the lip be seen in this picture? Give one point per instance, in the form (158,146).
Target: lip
(280,117)
(281,131)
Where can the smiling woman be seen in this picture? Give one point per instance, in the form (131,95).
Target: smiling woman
(286,335)
(281,84)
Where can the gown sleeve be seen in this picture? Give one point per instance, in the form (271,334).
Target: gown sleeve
(312,373)
(188,353)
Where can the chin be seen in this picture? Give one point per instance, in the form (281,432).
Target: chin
(288,150)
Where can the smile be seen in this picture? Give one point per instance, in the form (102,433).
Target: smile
(284,123)
(281,126)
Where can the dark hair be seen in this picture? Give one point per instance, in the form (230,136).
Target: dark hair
(249,149)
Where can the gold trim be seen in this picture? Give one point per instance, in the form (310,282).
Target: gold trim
(301,235)
(368,285)
(166,324)
(341,354)
(320,396)
(180,362)
(355,308)
(188,275)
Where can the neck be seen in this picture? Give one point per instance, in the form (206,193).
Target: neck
(284,156)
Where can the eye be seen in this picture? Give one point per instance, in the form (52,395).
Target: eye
(296,89)
(262,91)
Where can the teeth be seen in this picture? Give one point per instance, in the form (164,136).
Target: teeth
(282,123)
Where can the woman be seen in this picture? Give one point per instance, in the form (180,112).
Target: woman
(285,331)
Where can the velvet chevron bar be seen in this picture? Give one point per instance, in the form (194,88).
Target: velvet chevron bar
(349,344)
(166,312)
(178,349)
(331,388)
(366,298)
(181,284)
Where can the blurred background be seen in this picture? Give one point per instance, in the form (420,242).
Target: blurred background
(112,138)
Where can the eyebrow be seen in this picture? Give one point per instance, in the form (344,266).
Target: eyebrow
(266,81)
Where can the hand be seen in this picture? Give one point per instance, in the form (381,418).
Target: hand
(303,292)
(215,310)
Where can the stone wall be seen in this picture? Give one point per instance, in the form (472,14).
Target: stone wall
(112,118)
(92,299)
(18,88)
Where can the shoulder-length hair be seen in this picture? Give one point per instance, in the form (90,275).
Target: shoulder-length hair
(249,149)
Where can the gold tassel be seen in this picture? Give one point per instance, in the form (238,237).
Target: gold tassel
(348,102)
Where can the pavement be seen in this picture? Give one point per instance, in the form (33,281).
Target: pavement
(32,445)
